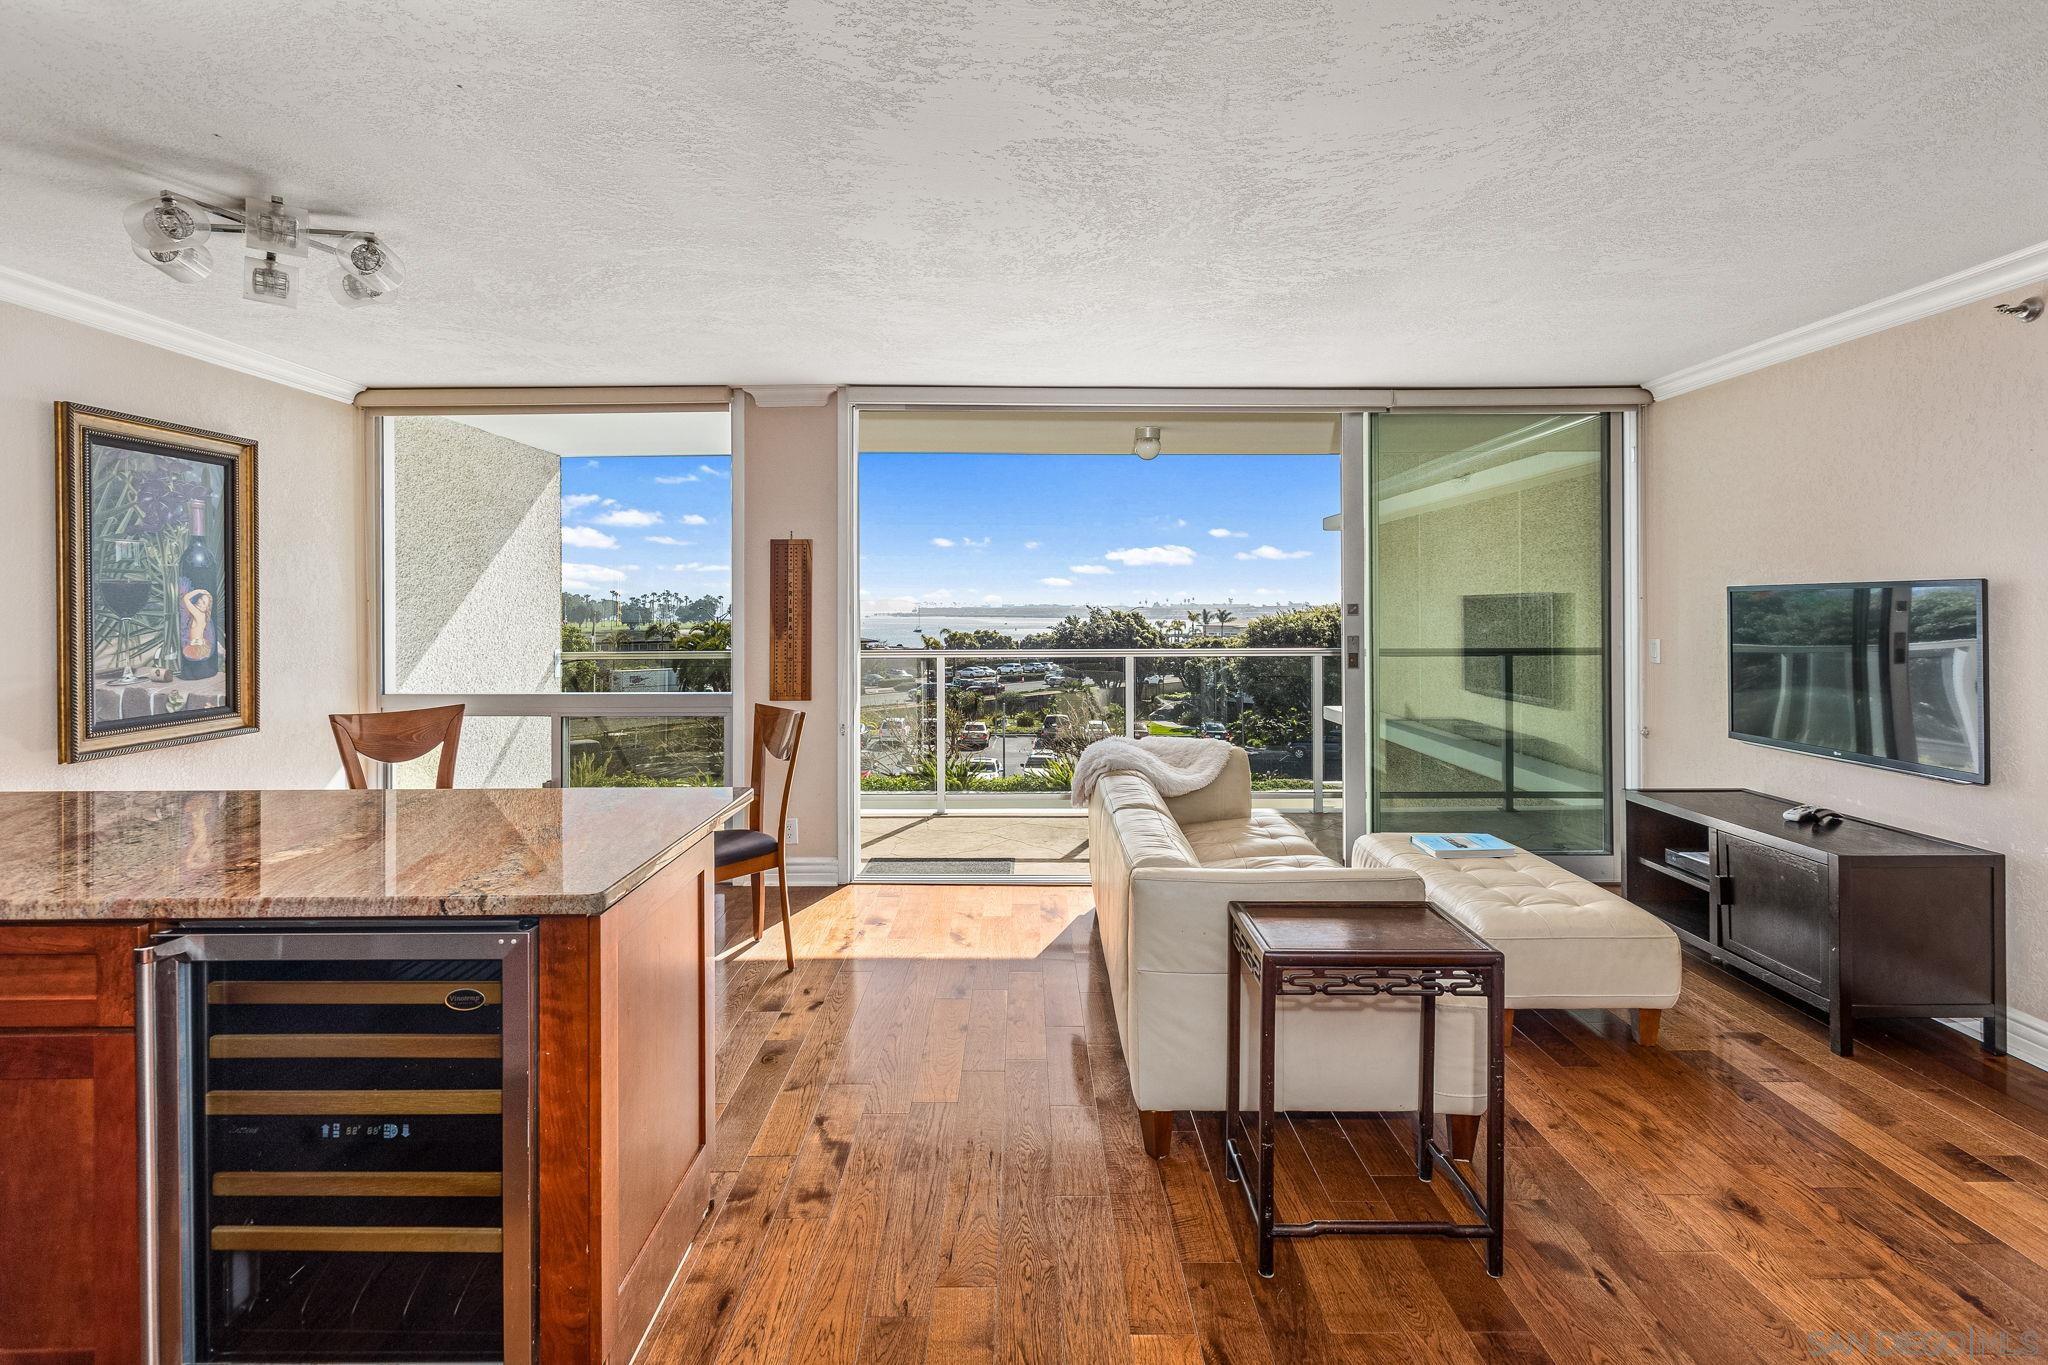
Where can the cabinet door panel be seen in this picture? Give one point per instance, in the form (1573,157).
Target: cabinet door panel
(1774,911)
(67,1170)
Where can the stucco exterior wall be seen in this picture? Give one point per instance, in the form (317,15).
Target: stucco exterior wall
(477,582)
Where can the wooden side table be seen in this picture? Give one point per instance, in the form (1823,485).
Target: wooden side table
(1405,950)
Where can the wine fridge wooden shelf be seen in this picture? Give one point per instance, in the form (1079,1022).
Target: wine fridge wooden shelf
(359,1184)
(227,1046)
(261,1237)
(347,992)
(347,1103)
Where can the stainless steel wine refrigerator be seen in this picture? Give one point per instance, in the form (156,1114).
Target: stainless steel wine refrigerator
(338,1145)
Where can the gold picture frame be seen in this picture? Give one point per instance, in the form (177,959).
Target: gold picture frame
(156,584)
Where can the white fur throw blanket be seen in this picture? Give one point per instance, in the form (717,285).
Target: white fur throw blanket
(1176,764)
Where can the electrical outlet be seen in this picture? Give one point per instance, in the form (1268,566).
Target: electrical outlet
(789,831)
(1656,651)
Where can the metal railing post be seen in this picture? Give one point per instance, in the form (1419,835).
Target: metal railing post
(1507,727)
(939,735)
(1130,696)
(1315,731)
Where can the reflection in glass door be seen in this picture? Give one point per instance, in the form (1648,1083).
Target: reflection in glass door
(1490,622)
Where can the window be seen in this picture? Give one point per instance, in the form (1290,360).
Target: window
(568,577)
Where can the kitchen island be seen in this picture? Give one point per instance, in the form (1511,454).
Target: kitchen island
(420,1062)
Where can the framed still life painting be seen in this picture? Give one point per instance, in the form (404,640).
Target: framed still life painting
(156,576)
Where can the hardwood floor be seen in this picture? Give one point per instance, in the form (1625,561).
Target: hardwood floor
(929,1153)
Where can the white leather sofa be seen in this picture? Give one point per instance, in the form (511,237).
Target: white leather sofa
(1164,871)
(1567,944)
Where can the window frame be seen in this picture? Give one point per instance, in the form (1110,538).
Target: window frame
(559,707)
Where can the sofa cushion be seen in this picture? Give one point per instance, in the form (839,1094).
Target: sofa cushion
(1129,791)
(1229,797)
(1150,838)
(1261,834)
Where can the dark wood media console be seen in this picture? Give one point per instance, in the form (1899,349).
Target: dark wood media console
(1861,920)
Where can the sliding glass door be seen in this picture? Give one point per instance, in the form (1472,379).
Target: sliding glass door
(1491,620)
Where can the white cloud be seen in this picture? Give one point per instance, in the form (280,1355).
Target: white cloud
(629,516)
(694,567)
(588,538)
(1089,568)
(573,501)
(1180,522)
(1057,582)
(1030,544)
(675,478)
(665,540)
(992,600)
(1273,552)
(714,473)
(1173,556)
(692,519)
(942,542)
(971,543)
(589,575)
(1225,533)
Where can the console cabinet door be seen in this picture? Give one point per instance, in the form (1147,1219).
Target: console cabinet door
(1774,910)
(70,1269)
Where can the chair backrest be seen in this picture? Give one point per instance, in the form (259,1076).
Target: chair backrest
(778,730)
(398,737)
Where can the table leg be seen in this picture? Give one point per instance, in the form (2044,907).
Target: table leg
(1269,989)
(1496,1127)
(1425,1093)
(1233,1013)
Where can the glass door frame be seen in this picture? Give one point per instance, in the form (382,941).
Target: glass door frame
(1620,571)
(560,707)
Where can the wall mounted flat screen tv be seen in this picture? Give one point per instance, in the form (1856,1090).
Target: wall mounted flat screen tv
(1889,674)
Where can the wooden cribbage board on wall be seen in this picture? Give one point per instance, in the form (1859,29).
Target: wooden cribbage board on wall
(789,620)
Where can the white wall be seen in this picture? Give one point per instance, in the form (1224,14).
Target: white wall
(310,498)
(1918,452)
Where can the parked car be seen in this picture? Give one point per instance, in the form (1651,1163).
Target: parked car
(973,735)
(1031,669)
(1054,722)
(1040,760)
(1095,730)
(984,766)
(1215,729)
(896,728)
(1055,674)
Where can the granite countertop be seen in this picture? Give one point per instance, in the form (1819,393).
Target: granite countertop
(321,854)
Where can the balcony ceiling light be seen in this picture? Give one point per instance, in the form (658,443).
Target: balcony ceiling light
(1146,444)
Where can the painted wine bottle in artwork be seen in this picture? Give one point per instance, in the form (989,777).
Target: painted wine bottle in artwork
(198,596)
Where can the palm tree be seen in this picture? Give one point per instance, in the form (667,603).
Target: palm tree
(1224,615)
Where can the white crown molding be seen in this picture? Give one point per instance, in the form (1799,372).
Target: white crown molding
(790,395)
(1951,291)
(73,305)
(2026,1037)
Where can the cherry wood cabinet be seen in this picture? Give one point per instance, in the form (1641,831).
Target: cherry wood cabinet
(70,1263)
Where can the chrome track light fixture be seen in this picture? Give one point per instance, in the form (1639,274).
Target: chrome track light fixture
(172,232)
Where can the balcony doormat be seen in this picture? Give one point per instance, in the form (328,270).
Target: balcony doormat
(881,869)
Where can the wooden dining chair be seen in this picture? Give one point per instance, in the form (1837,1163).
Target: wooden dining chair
(398,737)
(752,851)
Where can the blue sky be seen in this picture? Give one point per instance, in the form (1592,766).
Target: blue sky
(642,523)
(985,530)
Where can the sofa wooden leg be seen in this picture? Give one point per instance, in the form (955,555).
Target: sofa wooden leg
(1156,1126)
(1647,1024)
(1464,1135)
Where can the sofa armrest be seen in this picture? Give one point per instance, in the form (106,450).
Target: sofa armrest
(1179,916)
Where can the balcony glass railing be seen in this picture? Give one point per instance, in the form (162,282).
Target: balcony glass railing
(1013,721)
(628,670)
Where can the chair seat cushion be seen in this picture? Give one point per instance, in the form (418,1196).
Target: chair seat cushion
(741,845)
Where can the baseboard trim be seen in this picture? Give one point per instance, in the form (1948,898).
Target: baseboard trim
(813,871)
(75,305)
(2024,266)
(2026,1036)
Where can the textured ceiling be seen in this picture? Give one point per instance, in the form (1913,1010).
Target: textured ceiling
(1210,192)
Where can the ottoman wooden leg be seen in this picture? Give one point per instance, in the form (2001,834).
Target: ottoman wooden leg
(1647,1024)
(1464,1135)
(1156,1127)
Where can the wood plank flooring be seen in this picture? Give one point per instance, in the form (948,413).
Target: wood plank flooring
(929,1153)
